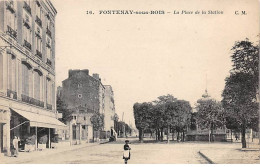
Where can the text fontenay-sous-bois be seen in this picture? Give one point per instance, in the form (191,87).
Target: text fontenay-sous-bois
(155,12)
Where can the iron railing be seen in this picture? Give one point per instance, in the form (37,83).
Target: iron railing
(49,106)
(11,32)
(27,45)
(11,94)
(38,21)
(33,101)
(48,31)
(49,62)
(38,54)
(27,8)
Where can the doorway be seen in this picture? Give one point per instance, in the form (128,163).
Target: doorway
(1,136)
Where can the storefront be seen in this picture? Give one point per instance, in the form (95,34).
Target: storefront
(35,131)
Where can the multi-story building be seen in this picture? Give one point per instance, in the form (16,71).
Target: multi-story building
(109,109)
(82,94)
(27,70)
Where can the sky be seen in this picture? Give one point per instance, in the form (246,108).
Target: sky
(146,56)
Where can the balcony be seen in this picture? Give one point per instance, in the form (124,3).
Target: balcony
(11,32)
(27,45)
(27,8)
(33,101)
(11,94)
(10,6)
(48,31)
(27,24)
(38,21)
(38,3)
(38,54)
(37,102)
(49,62)
(49,106)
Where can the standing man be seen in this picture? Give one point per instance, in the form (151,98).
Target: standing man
(16,146)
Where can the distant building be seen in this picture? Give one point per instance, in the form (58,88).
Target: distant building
(27,71)
(85,95)
(81,94)
(109,109)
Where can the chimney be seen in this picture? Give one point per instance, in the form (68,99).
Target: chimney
(73,72)
(96,76)
(86,71)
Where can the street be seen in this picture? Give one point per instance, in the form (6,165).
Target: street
(111,153)
(149,152)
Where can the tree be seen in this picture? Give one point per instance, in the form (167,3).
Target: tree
(242,87)
(239,101)
(210,115)
(97,121)
(142,117)
(116,118)
(182,115)
(62,108)
(164,114)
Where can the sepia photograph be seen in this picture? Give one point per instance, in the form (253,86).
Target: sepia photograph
(129,82)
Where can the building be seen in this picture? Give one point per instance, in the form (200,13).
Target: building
(109,109)
(27,72)
(83,95)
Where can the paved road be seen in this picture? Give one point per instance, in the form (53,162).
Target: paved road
(111,153)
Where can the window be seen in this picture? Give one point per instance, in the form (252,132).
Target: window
(27,6)
(48,91)
(79,85)
(1,71)
(25,78)
(38,19)
(11,20)
(38,41)
(12,72)
(48,49)
(37,85)
(38,10)
(27,33)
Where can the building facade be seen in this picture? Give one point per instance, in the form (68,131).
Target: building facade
(83,96)
(27,70)
(109,109)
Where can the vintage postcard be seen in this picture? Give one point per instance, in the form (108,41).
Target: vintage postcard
(129,82)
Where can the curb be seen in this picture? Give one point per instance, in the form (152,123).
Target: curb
(205,157)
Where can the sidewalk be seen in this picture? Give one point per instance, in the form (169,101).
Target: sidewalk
(232,154)
(28,156)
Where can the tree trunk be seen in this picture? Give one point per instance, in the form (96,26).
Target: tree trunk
(155,134)
(168,132)
(183,136)
(158,133)
(93,136)
(162,134)
(243,136)
(178,136)
(211,135)
(231,136)
(173,135)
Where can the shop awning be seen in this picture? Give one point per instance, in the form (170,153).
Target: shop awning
(41,120)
